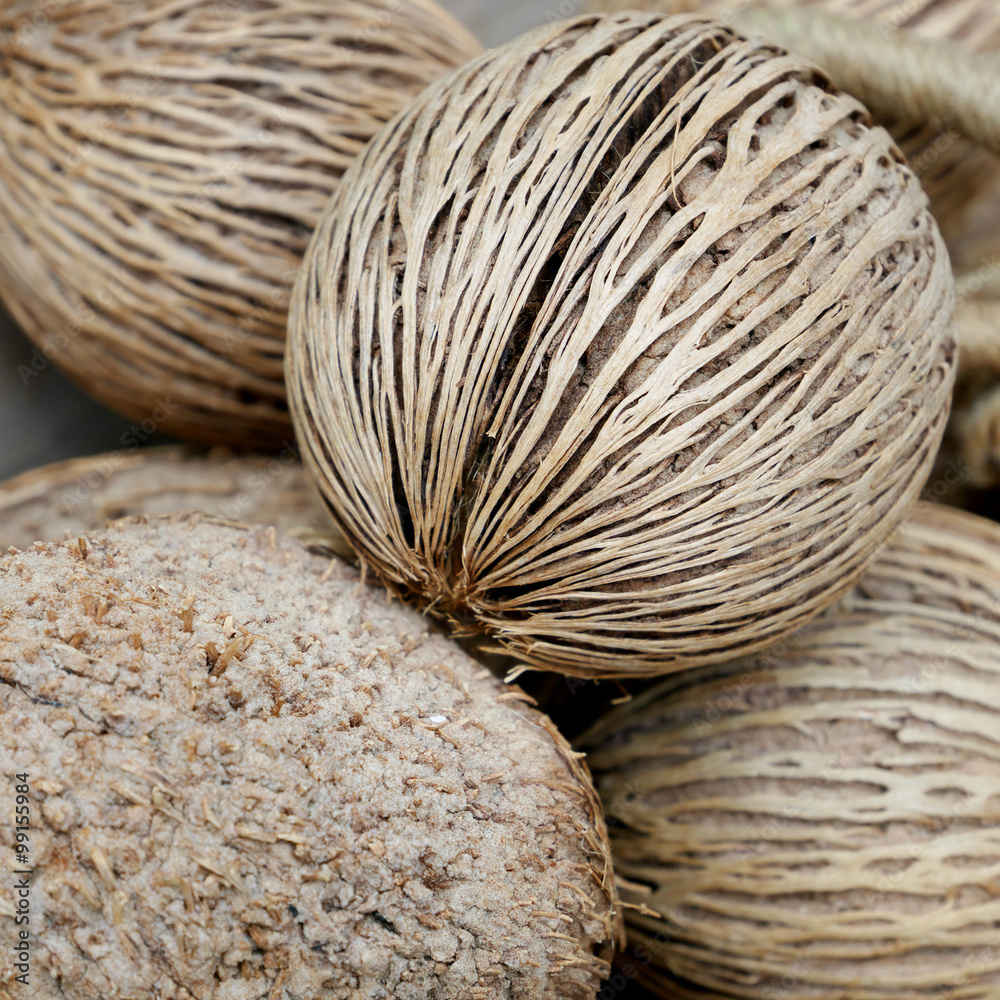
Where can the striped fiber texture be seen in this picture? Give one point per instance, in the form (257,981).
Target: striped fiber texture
(162,166)
(954,169)
(820,821)
(627,342)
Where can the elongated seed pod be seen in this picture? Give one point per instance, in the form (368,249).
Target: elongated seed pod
(819,821)
(162,166)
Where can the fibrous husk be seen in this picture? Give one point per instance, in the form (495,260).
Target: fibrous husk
(627,342)
(68,498)
(972,444)
(954,170)
(162,166)
(819,822)
(250,776)
(961,177)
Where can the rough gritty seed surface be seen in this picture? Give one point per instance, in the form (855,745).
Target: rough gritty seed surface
(253,776)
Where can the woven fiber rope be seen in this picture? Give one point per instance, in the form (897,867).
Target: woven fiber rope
(820,822)
(161,168)
(900,86)
(627,342)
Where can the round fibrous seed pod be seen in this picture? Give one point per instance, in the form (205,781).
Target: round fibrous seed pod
(627,342)
(162,166)
(819,822)
(69,498)
(251,775)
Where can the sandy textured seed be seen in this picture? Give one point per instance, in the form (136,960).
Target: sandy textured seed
(68,498)
(820,822)
(954,171)
(627,342)
(162,165)
(253,776)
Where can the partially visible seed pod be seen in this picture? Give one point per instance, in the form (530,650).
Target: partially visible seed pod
(954,170)
(627,342)
(249,775)
(819,822)
(162,166)
(70,498)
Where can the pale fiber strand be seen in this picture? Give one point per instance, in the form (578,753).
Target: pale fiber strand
(901,75)
(977,324)
(954,171)
(896,54)
(974,429)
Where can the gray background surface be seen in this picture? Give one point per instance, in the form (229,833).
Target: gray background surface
(44,418)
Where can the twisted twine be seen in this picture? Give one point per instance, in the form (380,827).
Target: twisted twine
(900,76)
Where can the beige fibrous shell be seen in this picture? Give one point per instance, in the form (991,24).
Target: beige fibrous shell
(820,821)
(250,775)
(955,170)
(627,342)
(938,88)
(65,499)
(162,166)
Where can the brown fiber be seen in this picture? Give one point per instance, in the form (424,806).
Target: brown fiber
(628,342)
(912,88)
(162,166)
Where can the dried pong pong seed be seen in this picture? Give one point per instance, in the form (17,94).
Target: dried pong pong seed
(927,70)
(251,775)
(162,166)
(936,99)
(818,821)
(79,495)
(627,342)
